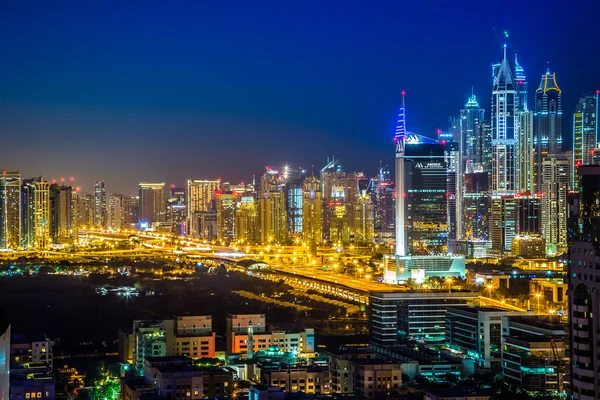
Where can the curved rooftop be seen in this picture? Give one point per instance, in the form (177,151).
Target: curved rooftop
(548,83)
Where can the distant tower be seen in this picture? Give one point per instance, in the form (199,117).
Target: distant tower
(470,117)
(548,124)
(504,129)
(399,137)
(10,210)
(99,204)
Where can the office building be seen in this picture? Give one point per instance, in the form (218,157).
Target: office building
(421,315)
(273,215)
(129,211)
(556,183)
(505,129)
(483,149)
(86,211)
(27,215)
(247,224)
(153,206)
(310,379)
(533,356)
(200,199)
(312,213)
(454,193)
(338,221)
(10,210)
(528,246)
(99,204)
(4,355)
(376,377)
(584,285)
(585,132)
(548,123)
(477,332)
(401,269)
(513,215)
(526,157)
(226,207)
(385,203)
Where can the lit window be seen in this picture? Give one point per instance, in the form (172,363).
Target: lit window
(27,395)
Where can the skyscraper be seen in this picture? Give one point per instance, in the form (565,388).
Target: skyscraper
(99,205)
(548,123)
(476,208)
(585,132)
(247,224)
(584,285)
(514,215)
(312,211)
(114,210)
(226,205)
(176,210)
(273,216)
(526,156)
(470,118)
(153,206)
(505,125)
(293,190)
(200,199)
(63,215)
(10,210)
(556,183)
(129,211)
(364,231)
(41,215)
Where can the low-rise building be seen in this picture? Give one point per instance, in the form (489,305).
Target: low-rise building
(477,333)
(340,368)
(31,380)
(452,394)
(293,378)
(37,349)
(374,376)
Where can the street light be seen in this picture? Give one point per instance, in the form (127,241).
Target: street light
(538,295)
(449,280)
(490,287)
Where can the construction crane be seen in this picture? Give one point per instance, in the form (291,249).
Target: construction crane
(559,361)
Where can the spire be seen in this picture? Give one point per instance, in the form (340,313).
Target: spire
(472,101)
(504,59)
(401,123)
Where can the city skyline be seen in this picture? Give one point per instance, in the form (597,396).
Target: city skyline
(171,95)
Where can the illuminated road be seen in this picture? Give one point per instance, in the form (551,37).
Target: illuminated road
(486,301)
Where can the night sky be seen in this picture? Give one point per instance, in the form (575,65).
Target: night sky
(129,91)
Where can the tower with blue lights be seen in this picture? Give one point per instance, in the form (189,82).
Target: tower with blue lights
(505,126)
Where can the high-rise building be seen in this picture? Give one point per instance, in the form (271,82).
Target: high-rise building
(505,126)
(41,215)
(520,86)
(385,202)
(470,118)
(337,217)
(548,124)
(200,199)
(226,207)
(585,132)
(114,211)
(63,215)
(27,216)
(454,192)
(153,206)
(129,211)
(483,149)
(273,216)
(10,210)
(86,210)
(364,229)
(476,209)
(312,211)
(526,166)
(513,215)
(176,210)
(247,224)
(293,190)
(556,183)
(584,285)
(99,205)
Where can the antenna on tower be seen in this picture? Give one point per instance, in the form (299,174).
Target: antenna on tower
(401,123)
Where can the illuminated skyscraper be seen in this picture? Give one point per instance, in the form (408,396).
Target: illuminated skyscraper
(27,215)
(10,210)
(483,149)
(526,155)
(114,211)
(153,205)
(470,118)
(476,209)
(99,205)
(293,190)
(312,211)
(273,216)
(226,205)
(514,215)
(129,211)
(339,228)
(200,199)
(454,192)
(63,215)
(247,224)
(505,125)
(176,210)
(556,182)
(364,230)
(86,210)
(520,86)
(41,215)
(548,123)
(585,132)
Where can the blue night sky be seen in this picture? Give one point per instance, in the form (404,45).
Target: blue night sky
(130,91)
